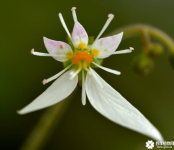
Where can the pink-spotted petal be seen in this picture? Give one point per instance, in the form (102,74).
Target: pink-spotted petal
(79,35)
(58,48)
(106,46)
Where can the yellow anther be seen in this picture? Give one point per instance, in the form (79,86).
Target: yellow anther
(82,46)
(69,55)
(95,52)
(105,50)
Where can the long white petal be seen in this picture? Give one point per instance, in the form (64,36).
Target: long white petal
(96,80)
(116,108)
(83,89)
(58,91)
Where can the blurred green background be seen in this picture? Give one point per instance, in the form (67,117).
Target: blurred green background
(23,25)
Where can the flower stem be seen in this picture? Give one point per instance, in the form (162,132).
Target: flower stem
(42,132)
(137,29)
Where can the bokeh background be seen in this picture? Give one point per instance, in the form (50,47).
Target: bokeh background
(23,25)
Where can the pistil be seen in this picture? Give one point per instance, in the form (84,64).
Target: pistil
(82,56)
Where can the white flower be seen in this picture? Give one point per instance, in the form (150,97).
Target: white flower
(81,58)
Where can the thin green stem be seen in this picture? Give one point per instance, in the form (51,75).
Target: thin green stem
(42,132)
(134,30)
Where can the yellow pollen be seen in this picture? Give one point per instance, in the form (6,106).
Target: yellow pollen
(69,55)
(82,46)
(105,50)
(95,52)
(82,56)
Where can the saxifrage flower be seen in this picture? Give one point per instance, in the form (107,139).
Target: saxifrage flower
(79,60)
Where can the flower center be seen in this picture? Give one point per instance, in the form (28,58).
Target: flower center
(82,55)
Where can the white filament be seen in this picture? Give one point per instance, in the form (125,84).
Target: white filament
(105,26)
(107,69)
(64,25)
(122,51)
(73,74)
(87,70)
(46,54)
(74,14)
(56,76)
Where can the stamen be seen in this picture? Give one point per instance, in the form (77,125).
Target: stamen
(44,81)
(95,77)
(75,21)
(111,16)
(73,8)
(32,51)
(122,51)
(76,72)
(45,54)
(64,25)
(56,76)
(74,14)
(131,48)
(107,69)
(83,89)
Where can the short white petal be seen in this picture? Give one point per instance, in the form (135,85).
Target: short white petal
(58,91)
(113,106)
(57,48)
(106,46)
(79,35)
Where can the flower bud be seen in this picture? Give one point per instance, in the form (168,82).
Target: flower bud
(155,50)
(142,65)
